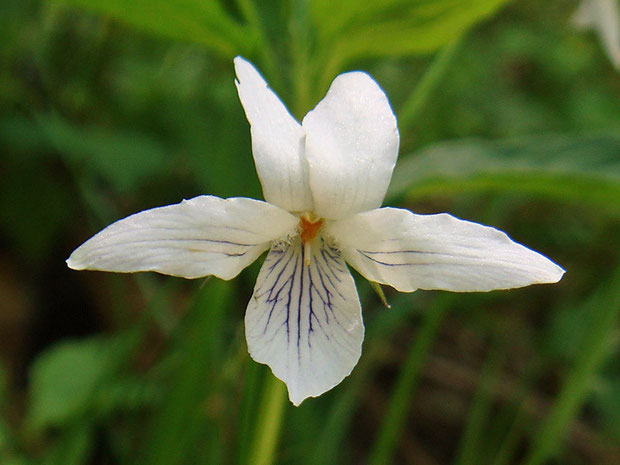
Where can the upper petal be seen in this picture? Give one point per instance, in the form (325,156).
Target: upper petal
(202,236)
(277,142)
(305,321)
(408,252)
(351,146)
(604,17)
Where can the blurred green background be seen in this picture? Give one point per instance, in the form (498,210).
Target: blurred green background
(508,116)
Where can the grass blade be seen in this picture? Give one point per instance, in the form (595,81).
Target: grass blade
(480,412)
(427,84)
(182,419)
(605,306)
(267,429)
(398,407)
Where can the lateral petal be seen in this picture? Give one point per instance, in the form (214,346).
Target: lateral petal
(408,252)
(202,236)
(351,146)
(277,142)
(305,321)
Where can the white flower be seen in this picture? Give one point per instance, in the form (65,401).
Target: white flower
(603,17)
(323,182)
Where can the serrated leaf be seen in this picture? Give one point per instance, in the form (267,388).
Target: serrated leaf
(584,169)
(197,21)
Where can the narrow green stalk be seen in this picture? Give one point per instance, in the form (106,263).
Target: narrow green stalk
(510,443)
(514,416)
(400,400)
(472,439)
(428,83)
(379,291)
(248,407)
(605,307)
(267,431)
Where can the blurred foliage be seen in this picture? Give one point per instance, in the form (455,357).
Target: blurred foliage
(196,21)
(508,117)
(584,169)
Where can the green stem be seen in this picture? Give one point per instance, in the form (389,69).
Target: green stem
(398,407)
(267,431)
(431,78)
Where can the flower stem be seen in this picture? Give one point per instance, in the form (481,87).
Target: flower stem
(270,416)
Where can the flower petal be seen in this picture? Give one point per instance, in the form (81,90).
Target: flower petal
(305,321)
(202,236)
(351,146)
(277,142)
(602,16)
(408,252)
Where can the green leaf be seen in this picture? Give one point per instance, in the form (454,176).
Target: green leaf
(66,378)
(354,30)
(197,21)
(583,169)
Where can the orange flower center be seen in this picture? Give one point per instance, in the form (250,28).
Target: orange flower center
(308,228)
